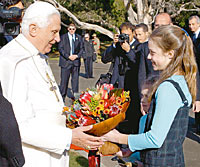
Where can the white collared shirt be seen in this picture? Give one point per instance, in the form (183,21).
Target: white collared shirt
(70,41)
(197,33)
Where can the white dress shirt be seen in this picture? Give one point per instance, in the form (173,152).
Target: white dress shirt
(70,41)
(196,33)
(44,136)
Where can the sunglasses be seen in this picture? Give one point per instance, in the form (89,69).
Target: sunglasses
(71,28)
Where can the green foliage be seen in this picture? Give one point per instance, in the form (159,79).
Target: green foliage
(100,12)
(76,160)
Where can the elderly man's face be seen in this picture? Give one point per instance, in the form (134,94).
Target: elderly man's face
(162,20)
(47,36)
(193,25)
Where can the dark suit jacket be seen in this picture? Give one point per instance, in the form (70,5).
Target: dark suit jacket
(128,81)
(10,140)
(196,43)
(64,49)
(145,65)
(122,62)
(88,50)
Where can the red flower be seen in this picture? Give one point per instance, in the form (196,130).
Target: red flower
(84,121)
(114,110)
(78,113)
(85,97)
(106,103)
(105,89)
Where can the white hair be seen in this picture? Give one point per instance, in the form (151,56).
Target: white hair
(195,17)
(37,13)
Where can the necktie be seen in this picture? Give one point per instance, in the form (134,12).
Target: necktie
(72,44)
(194,37)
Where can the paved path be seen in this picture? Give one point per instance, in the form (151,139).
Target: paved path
(191,145)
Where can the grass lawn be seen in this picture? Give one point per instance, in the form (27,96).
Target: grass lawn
(76,160)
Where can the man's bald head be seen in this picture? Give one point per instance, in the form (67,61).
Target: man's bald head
(162,19)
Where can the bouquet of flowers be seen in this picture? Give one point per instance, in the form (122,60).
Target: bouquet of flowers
(103,107)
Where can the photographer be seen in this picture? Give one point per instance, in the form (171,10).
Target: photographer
(125,72)
(10,19)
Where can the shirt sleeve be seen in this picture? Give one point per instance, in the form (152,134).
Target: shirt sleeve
(168,101)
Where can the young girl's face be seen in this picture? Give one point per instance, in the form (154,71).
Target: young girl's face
(159,59)
(145,104)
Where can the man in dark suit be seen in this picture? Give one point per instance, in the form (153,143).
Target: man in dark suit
(125,73)
(141,32)
(194,25)
(89,56)
(11,154)
(70,48)
(145,65)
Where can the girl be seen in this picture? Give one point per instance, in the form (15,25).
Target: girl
(171,51)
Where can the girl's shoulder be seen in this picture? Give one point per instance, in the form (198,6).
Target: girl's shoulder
(168,89)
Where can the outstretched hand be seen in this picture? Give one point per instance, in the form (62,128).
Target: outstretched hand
(116,137)
(81,139)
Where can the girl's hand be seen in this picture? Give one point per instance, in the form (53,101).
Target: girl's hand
(124,152)
(112,136)
(116,137)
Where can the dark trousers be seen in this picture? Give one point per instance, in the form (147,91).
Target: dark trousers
(4,162)
(65,75)
(197,121)
(88,63)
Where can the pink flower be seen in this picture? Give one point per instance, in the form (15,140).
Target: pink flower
(84,121)
(114,110)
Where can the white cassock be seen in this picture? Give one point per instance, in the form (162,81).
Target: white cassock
(23,75)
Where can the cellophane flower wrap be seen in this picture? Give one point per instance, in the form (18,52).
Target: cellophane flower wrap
(103,107)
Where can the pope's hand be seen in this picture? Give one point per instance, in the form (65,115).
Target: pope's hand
(81,139)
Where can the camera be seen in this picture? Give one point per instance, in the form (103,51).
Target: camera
(123,37)
(7,17)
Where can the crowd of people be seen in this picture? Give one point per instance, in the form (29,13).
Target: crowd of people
(164,87)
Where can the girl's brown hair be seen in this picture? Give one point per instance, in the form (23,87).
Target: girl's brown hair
(171,37)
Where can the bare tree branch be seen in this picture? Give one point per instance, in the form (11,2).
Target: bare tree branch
(132,15)
(183,7)
(80,24)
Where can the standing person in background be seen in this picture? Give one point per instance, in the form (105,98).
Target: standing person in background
(194,25)
(28,83)
(88,56)
(161,144)
(71,50)
(125,72)
(96,43)
(162,19)
(141,32)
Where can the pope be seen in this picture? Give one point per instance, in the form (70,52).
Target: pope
(28,83)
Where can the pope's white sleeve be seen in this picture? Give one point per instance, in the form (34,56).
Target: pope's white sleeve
(45,135)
